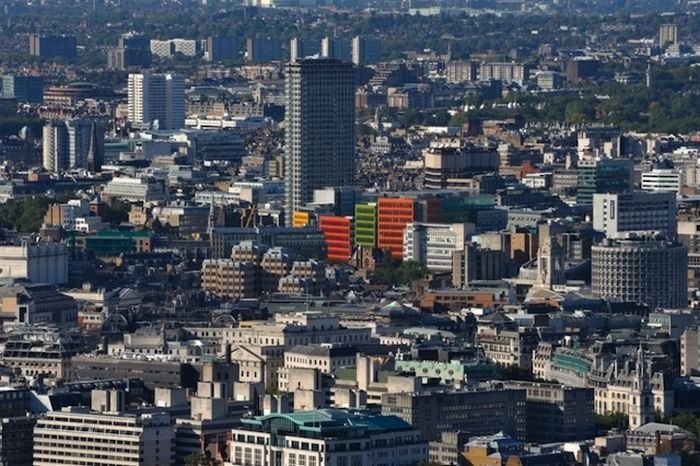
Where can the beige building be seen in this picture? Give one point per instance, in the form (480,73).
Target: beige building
(251,270)
(324,358)
(631,389)
(510,348)
(208,428)
(305,277)
(293,379)
(287,330)
(258,363)
(38,262)
(103,437)
(228,279)
(690,348)
(259,349)
(40,352)
(25,303)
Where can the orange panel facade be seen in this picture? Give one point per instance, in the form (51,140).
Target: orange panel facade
(338,234)
(392,217)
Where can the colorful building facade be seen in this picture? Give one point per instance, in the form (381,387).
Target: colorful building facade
(393,214)
(338,232)
(366,225)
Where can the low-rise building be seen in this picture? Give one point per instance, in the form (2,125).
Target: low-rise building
(41,353)
(325,358)
(448,450)
(27,303)
(662,180)
(432,245)
(655,438)
(77,435)
(39,262)
(510,348)
(557,413)
(327,437)
(144,190)
(476,412)
(502,450)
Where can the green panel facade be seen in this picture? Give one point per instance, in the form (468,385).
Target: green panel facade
(366,225)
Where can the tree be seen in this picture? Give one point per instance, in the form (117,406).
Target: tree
(458,119)
(400,274)
(116,212)
(580,111)
(687,421)
(200,459)
(25,216)
(515,372)
(612,421)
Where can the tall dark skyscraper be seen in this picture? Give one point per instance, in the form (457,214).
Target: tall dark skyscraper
(133,51)
(320,129)
(29,89)
(53,46)
(219,48)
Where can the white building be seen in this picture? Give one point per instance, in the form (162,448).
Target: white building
(38,262)
(506,72)
(187,47)
(77,143)
(619,214)
(74,215)
(161,48)
(157,98)
(71,210)
(79,436)
(89,224)
(432,244)
(662,180)
(168,48)
(327,437)
(537,180)
(135,189)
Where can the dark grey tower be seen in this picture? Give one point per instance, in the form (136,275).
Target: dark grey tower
(320,129)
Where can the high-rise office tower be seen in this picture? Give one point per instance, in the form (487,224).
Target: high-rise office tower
(26,89)
(668,35)
(133,51)
(602,176)
(365,50)
(320,129)
(303,48)
(133,40)
(157,99)
(620,214)
(53,46)
(85,144)
(75,143)
(340,49)
(218,48)
(55,150)
(263,50)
